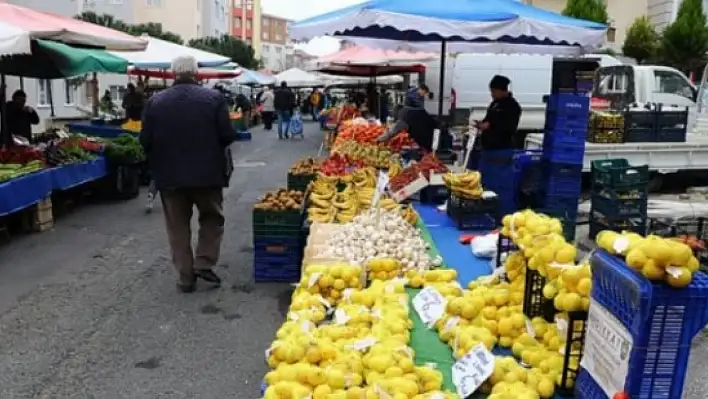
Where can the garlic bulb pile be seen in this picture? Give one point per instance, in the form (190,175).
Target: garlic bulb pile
(393,237)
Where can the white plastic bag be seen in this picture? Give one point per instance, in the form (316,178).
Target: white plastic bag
(485,246)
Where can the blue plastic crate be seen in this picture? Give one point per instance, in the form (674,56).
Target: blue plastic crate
(269,246)
(276,269)
(561,202)
(571,153)
(566,135)
(569,104)
(661,320)
(562,179)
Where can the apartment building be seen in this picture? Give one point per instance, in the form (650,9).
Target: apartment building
(274,42)
(246,22)
(663,12)
(622,14)
(66,99)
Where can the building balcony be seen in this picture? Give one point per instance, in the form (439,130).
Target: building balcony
(238,13)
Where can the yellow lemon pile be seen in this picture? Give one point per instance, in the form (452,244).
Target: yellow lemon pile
(656,258)
(330,281)
(570,290)
(523,226)
(383,269)
(444,280)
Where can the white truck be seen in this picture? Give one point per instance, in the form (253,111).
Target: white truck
(644,84)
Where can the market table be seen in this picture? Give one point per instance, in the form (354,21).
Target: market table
(106,131)
(69,176)
(25,191)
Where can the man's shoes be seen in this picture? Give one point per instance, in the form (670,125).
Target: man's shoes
(150,204)
(208,276)
(287,136)
(186,289)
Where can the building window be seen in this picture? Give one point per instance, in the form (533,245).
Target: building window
(278,37)
(249,24)
(116,93)
(237,22)
(278,50)
(266,22)
(266,36)
(154,3)
(266,48)
(43,92)
(69,93)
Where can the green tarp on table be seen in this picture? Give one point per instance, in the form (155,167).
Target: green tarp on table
(53,60)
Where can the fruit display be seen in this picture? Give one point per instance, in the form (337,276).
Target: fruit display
(13,171)
(305,167)
(404,178)
(569,287)
(693,242)
(20,155)
(386,235)
(430,164)
(359,132)
(656,258)
(606,127)
(370,155)
(409,214)
(132,125)
(400,141)
(330,281)
(362,353)
(338,165)
(281,200)
(327,204)
(466,185)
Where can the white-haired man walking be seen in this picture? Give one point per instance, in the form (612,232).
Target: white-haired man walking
(186,133)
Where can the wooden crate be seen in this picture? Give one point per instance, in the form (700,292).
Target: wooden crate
(42,216)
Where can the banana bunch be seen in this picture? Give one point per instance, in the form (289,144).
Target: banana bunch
(346,204)
(364,196)
(465,185)
(321,209)
(364,177)
(387,204)
(394,169)
(409,215)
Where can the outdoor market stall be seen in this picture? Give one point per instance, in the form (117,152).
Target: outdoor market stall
(297,78)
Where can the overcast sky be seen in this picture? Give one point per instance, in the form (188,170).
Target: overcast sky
(300,9)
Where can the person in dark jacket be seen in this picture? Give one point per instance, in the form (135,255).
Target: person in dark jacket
(416,96)
(133,103)
(284,103)
(186,133)
(20,116)
(502,120)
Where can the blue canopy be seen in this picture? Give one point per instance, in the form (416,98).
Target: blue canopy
(253,78)
(476,21)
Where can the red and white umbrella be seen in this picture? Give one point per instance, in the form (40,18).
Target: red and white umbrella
(365,61)
(19,25)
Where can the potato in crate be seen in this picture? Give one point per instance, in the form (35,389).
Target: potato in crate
(278,214)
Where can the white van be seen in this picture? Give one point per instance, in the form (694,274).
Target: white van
(469,75)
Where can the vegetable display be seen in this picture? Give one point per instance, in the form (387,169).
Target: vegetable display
(339,165)
(430,164)
(13,171)
(20,155)
(64,153)
(124,149)
(404,178)
(370,155)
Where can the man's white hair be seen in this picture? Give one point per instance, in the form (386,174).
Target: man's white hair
(185,66)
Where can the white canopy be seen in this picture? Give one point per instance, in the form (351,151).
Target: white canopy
(298,78)
(160,53)
(13,40)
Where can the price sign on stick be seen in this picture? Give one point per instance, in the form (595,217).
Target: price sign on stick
(381,185)
(430,305)
(470,145)
(436,139)
(471,370)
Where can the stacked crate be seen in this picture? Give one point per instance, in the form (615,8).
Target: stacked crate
(619,197)
(277,245)
(567,117)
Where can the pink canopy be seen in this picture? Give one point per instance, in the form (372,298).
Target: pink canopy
(19,25)
(364,61)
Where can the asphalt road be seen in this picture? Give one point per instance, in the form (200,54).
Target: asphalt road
(90,310)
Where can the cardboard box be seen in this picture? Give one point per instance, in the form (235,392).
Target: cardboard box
(413,188)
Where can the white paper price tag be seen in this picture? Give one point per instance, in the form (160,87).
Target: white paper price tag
(381,185)
(471,370)
(430,305)
(436,179)
(436,139)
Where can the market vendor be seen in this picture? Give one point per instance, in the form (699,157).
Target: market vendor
(502,120)
(133,102)
(413,113)
(20,116)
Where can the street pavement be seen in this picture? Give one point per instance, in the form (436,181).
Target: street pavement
(90,310)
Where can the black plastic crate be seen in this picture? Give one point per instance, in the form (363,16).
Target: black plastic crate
(283,223)
(599,222)
(671,119)
(472,221)
(505,245)
(535,304)
(573,352)
(639,119)
(619,174)
(615,204)
(299,182)
(474,205)
(689,226)
(434,195)
(671,135)
(639,135)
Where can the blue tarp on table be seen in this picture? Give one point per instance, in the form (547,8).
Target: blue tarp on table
(70,176)
(25,191)
(105,131)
